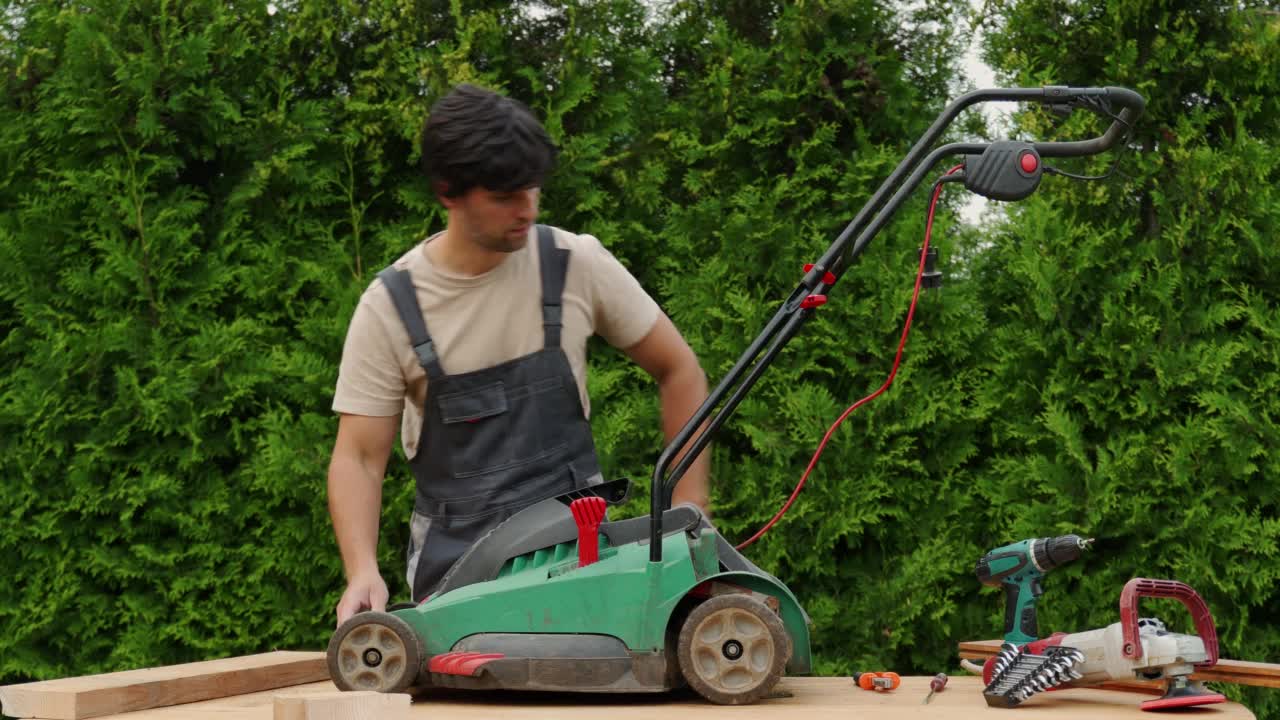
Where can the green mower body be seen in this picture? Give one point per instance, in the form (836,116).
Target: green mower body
(520,611)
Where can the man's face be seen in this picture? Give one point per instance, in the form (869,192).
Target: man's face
(497,221)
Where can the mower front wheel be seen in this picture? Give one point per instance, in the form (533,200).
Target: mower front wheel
(375,651)
(733,649)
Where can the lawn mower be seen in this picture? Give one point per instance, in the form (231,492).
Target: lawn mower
(559,598)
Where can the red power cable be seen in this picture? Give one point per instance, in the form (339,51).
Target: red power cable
(906,329)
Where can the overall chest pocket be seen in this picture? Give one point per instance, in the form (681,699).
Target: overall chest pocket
(474,405)
(491,433)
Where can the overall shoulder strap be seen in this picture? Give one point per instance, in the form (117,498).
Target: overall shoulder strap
(400,285)
(554,265)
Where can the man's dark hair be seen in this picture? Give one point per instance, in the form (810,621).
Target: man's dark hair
(476,137)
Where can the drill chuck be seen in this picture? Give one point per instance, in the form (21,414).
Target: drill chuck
(1050,553)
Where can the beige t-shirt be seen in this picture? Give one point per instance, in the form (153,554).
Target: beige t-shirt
(481,321)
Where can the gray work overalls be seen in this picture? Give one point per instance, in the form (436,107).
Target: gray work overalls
(494,441)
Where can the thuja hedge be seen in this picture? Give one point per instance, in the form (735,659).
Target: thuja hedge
(1133,346)
(193,196)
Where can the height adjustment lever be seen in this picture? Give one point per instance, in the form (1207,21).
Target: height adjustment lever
(588,513)
(1006,170)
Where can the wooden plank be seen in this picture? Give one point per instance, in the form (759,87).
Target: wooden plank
(1238,672)
(98,695)
(801,698)
(363,705)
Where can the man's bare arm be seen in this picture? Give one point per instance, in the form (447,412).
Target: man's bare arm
(356,470)
(682,387)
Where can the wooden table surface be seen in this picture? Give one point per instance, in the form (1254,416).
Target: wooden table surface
(811,698)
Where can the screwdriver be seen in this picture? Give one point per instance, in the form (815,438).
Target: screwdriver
(938,682)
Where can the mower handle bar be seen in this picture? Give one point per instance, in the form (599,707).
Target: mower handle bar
(1130,102)
(823,274)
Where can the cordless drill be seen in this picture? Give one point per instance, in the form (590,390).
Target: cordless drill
(1018,568)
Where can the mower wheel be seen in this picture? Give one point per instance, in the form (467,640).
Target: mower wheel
(375,651)
(733,649)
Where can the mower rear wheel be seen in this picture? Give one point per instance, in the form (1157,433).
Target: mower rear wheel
(733,649)
(375,651)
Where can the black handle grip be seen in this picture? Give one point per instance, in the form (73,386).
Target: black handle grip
(1131,105)
(1010,607)
(1025,621)
(1029,625)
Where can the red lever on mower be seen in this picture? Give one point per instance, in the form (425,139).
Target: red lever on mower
(1142,587)
(587,513)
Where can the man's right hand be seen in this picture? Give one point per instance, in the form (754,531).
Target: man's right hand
(363,593)
(355,500)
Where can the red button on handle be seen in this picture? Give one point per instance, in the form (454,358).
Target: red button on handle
(1029,163)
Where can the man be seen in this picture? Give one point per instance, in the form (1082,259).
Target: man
(473,345)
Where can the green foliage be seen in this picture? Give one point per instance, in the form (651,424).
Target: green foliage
(193,196)
(1133,350)
(167,295)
